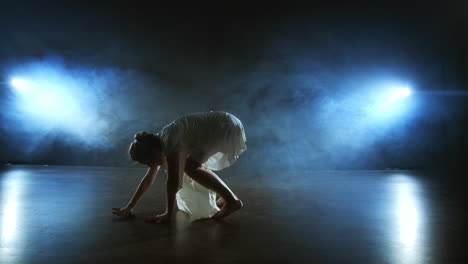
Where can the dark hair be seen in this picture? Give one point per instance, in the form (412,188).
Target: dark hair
(144,146)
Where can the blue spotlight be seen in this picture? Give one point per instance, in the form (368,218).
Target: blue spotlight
(46,99)
(390,100)
(398,94)
(50,98)
(20,84)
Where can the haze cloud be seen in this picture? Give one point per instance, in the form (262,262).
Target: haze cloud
(302,90)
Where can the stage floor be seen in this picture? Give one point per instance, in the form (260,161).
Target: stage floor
(63,215)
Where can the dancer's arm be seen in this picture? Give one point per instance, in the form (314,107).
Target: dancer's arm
(171,189)
(172,182)
(145,183)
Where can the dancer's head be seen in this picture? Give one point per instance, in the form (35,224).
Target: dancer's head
(146,149)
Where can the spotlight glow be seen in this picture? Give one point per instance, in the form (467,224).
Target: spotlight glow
(48,102)
(398,94)
(389,100)
(49,98)
(20,84)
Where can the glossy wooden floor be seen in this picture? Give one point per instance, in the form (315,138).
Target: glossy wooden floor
(63,215)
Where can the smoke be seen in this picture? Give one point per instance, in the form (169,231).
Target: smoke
(308,91)
(80,106)
(310,121)
(323,106)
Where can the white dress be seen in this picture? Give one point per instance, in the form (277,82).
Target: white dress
(215,139)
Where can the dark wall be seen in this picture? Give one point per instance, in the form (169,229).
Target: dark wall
(297,77)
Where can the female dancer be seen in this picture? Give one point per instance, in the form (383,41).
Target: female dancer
(189,149)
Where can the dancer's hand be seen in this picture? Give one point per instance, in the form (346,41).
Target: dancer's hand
(159,219)
(124,211)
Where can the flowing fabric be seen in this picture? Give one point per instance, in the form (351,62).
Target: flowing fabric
(215,140)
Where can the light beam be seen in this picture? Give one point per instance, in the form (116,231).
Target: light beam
(20,84)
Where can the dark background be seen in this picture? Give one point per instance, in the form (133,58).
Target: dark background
(291,74)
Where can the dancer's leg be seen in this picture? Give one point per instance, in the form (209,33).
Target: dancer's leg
(210,180)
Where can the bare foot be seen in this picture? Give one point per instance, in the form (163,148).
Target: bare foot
(220,202)
(228,208)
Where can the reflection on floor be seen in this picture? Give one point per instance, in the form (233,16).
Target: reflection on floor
(63,215)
